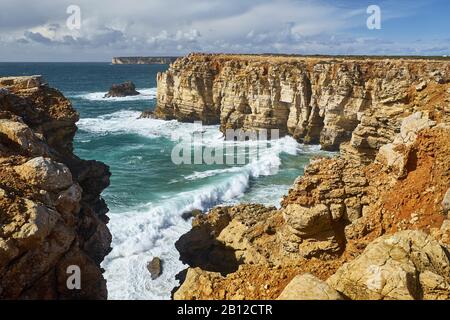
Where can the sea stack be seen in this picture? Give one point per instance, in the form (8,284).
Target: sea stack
(122,90)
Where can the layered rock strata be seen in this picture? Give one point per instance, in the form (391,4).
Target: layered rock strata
(52,217)
(371,223)
(314,99)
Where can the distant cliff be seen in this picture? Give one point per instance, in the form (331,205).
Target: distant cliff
(314,99)
(143,60)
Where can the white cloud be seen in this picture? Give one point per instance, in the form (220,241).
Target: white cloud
(172,27)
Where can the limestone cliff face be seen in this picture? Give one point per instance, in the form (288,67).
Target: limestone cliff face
(313,99)
(51,213)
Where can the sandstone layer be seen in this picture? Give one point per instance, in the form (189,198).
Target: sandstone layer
(370,223)
(52,218)
(314,99)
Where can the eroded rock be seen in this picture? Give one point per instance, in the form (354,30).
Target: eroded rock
(45,173)
(391,268)
(122,90)
(308,287)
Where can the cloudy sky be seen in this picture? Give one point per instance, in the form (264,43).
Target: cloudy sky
(38,30)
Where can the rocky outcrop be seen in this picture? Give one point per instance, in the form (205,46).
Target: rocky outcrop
(155,267)
(52,218)
(326,100)
(143,60)
(405,266)
(343,222)
(122,90)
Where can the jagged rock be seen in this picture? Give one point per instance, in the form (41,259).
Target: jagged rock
(45,173)
(191,214)
(68,201)
(41,221)
(197,283)
(122,90)
(20,83)
(406,265)
(308,221)
(155,267)
(395,155)
(147,114)
(308,287)
(52,216)
(22,136)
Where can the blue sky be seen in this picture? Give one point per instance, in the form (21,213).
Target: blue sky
(37,30)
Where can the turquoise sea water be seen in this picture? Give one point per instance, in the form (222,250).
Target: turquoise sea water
(148,192)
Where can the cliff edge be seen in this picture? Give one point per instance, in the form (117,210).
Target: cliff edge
(52,217)
(314,99)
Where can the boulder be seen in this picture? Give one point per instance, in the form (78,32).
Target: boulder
(308,221)
(122,90)
(395,155)
(45,174)
(308,287)
(41,221)
(21,136)
(155,267)
(68,201)
(147,114)
(406,265)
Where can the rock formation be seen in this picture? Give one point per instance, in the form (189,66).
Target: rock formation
(371,223)
(52,218)
(122,90)
(315,99)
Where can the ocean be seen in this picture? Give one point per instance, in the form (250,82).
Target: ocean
(149,192)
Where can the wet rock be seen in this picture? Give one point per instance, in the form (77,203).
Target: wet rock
(122,90)
(191,214)
(147,114)
(155,267)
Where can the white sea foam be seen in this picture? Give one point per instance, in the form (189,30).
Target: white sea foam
(127,121)
(144,94)
(152,230)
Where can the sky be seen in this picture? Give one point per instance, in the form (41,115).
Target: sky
(38,30)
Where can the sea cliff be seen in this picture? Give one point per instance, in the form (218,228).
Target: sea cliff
(314,99)
(370,223)
(52,217)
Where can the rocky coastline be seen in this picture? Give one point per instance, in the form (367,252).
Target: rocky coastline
(370,223)
(53,220)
